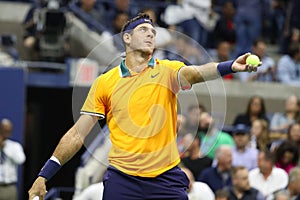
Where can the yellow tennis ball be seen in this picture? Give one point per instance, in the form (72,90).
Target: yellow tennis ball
(253,60)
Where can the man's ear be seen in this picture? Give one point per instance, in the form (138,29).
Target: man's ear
(126,38)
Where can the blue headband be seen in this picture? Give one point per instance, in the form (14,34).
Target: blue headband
(134,24)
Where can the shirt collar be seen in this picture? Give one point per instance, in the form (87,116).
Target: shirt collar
(124,71)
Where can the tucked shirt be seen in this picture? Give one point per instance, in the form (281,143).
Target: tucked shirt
(141,112)
(11,156)
(277,180)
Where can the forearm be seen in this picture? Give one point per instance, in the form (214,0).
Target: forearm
(196,74)
(73,140)
(68,146)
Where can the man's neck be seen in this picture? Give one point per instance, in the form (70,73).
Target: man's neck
(137,61)
(241,149)
(195,154)
(267,174)
(239,194)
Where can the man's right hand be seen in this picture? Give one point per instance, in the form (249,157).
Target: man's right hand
(38,188)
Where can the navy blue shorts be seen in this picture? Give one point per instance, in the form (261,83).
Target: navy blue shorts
(172,184)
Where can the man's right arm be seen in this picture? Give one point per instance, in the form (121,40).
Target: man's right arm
(68,146)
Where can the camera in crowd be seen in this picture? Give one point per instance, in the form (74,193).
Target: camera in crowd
(51,24)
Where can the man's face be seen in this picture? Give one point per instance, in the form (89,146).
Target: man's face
(194,116)
(291,104)
(142,38)
(295,132)
(5,131)
(241,181)
(225,159)
(241,140)
(263,164)
(205,121)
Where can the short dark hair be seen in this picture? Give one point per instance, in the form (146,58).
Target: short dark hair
(222,193)
(235,169)
(139,16)
(268,155)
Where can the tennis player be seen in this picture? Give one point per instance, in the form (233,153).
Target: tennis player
(138,98)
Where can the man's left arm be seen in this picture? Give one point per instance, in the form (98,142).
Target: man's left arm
(195,74)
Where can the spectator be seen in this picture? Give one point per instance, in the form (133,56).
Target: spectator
(195,24)
(222,53)
(195,161)
(294,183)
(118,6)
(193,117)
(278,13)
(281,121)
(292,191)
(266,177)
(241,188)
(260,138)
(281,195)
(287,156)
(92,8)
(185,50)
(288,66)
(267,71)
(181,132)
(248,23)
(293,135)
(197,190)
(255,110)
(11,155)
(92,192)
(225,29)
(242,154)
(211,136)
(219,177)
(119,20)
(291,29)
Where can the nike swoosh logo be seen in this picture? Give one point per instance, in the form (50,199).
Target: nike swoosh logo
(154,75)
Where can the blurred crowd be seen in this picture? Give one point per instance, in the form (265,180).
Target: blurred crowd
(256,158)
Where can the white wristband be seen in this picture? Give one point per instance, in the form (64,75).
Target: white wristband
(55,159)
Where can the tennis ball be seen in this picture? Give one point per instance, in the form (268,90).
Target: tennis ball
(253,60)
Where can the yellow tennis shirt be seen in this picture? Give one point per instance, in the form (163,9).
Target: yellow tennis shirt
(141,113)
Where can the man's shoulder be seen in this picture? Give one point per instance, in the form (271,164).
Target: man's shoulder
(209,171)
(112,73)
(254,172)
(278,171)
(169,63)
(12,142)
